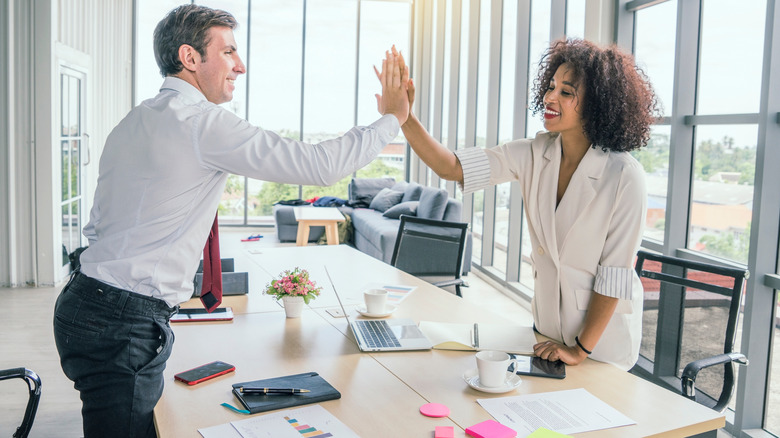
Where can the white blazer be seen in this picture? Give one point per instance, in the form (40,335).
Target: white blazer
(585,246)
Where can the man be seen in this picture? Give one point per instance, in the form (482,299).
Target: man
(162,173)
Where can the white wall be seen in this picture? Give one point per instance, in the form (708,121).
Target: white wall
(38,35)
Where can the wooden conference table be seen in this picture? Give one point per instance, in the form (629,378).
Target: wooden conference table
(381,392)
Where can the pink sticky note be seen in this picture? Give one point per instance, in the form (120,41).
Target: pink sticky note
(434,410)
(490,429)
(444,432)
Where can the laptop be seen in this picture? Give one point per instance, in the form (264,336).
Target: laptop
(396,334)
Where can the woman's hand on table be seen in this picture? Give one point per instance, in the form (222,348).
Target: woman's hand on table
(552,351)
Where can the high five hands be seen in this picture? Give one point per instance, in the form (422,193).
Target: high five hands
(394,77)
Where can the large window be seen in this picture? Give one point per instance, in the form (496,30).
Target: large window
(309,77)
(382,24)
(724,164)
(506,107)
(708,62)
(654,39)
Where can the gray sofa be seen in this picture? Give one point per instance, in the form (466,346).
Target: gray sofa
(375,227)
(374,206)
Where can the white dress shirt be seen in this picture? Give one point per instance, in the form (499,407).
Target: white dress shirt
(584,245)
(162,173)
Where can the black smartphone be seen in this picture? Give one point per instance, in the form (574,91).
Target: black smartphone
(536,366)
(204,372)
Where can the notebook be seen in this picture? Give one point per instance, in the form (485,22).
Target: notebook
(480,336)
(320,390)
(395,334)
(200,314)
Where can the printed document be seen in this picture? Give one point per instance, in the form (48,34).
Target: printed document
(311,421)
(567,412)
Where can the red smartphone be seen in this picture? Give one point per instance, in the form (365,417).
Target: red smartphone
(204,372)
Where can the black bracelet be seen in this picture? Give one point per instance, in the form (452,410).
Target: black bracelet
(579,344)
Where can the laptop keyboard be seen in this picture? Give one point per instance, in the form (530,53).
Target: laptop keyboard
(377,334)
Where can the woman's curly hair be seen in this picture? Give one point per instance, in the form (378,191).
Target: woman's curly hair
(618,105)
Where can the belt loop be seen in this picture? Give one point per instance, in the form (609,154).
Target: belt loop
(73,276)
(120,305)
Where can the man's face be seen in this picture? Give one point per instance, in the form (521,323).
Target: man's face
(218,71)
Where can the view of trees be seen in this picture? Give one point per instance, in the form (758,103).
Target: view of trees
(714,157)
(655,155)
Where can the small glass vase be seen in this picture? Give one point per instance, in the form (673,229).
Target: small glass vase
(293,306)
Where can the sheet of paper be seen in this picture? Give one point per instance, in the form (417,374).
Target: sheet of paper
(312,421)
(220,431)
(567,412)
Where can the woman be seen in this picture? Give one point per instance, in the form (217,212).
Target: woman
(584,196)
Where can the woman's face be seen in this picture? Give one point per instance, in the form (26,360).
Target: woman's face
(562,109)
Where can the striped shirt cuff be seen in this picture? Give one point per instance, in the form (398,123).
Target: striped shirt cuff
(476,169)
(614,282)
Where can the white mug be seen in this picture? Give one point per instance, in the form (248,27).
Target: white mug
(492,367)
(376,300)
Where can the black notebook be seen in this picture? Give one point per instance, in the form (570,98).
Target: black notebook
(320,390)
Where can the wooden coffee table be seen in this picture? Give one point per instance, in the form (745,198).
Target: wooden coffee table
(307,217)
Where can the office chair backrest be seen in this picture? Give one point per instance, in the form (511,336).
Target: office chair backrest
(34,386)
(428,247)
(691,314)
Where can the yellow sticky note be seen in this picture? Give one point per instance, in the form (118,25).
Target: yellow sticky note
(546,433)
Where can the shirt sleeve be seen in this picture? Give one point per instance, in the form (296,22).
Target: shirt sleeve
(231,144)
(615,273)
(89,229)
(476,169)
(613,281)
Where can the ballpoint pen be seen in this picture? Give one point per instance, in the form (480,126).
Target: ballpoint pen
(253,238)
(252,390)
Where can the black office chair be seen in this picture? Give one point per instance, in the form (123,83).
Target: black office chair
(34,385)
(690,316)
(431,248)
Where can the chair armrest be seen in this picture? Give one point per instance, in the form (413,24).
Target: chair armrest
(692,369)
(34,385)
(445,283)
(12,373)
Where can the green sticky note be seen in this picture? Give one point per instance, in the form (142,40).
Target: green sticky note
(547,433)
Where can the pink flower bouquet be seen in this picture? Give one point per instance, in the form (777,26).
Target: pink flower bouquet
(294,283)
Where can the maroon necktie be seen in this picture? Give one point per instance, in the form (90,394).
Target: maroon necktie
(211,290)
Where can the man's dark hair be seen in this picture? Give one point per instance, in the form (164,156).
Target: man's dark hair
(618,103)
(187,24)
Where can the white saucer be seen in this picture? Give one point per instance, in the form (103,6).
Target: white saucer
(388,311)
(512,381)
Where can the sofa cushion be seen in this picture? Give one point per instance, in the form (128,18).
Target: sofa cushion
(407,208)
(363,190)
(400,186)
(412,192)
(385,199)
(433,202)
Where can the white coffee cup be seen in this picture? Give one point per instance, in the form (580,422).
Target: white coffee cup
(376,300)
(492,367)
